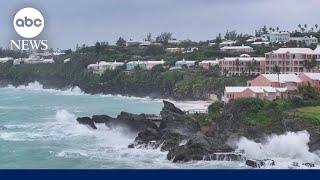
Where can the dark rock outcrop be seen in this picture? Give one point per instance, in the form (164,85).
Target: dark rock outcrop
(198,147)
(174,119)
(101,118)
(260,163)
(87,121)
(134,122)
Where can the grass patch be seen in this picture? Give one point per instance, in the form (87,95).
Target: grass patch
(310,113)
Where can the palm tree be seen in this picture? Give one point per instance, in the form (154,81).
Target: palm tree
(276,69)
(316,26)
(309,64)
(305,26)
(300,27)
(238,65)
(277,28)
(249,67)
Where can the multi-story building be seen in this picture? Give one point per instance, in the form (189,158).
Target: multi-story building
(246,65)
(305,40)
(275,37)
(289,60)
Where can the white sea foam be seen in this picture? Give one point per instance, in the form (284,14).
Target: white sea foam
(284,149)
(36,86)
(76,91)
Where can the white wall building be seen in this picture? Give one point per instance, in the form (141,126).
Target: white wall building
(246,49)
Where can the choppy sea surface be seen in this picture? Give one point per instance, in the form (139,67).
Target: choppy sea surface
(38,129)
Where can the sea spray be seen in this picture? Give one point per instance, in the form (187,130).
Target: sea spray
(291,146)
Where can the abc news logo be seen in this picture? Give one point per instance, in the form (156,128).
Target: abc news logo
(29,23)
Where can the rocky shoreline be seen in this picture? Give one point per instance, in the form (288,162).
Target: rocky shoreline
(181,136)
(91,88)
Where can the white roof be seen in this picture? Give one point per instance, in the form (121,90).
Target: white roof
(183,61)
(236,47)
(209,61)
(283,78)
(230,89)
(260,43)
(244,58)
(227,42)
(155,62)
(294,51)
(255,89)
(313,76)
(134,62)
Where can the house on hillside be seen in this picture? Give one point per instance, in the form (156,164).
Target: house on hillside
(260,92)
(187,63)
(134,64)
(289,81)
(234,49)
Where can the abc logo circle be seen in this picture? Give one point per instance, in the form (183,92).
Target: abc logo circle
(28,22)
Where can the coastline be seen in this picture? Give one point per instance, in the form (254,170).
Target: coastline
(185,105)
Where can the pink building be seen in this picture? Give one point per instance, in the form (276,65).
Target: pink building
(261,92)
(246,65)
(289,60)
(289,81)
(310,78)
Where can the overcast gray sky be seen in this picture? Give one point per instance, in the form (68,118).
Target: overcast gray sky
(69,22)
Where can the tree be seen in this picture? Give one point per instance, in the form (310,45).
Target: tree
(309,64)
(276,69)
(238,65)
(249,67)
(164,37)
(121,42)
(149,37)
(98,47)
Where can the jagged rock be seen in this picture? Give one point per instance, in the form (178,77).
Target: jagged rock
(133,122)
(131,145)
(87,121)
(101,118)
(148,135)
(224,157)
(170,140)
(260,163)
(168,106)
(197,148)
(308,164)
(176,120)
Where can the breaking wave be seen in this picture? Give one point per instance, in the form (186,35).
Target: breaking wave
(284,149)
(36,86)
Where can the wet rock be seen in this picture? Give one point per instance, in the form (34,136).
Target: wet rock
(308,164)
(175,119)
(170,140)
(295,164)
(197,148)
(260,163)
(131,146)
(148,135)
(87,121)
(224,157)
(101,118)
(133,122)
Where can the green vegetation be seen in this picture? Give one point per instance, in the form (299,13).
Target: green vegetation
(310,113)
